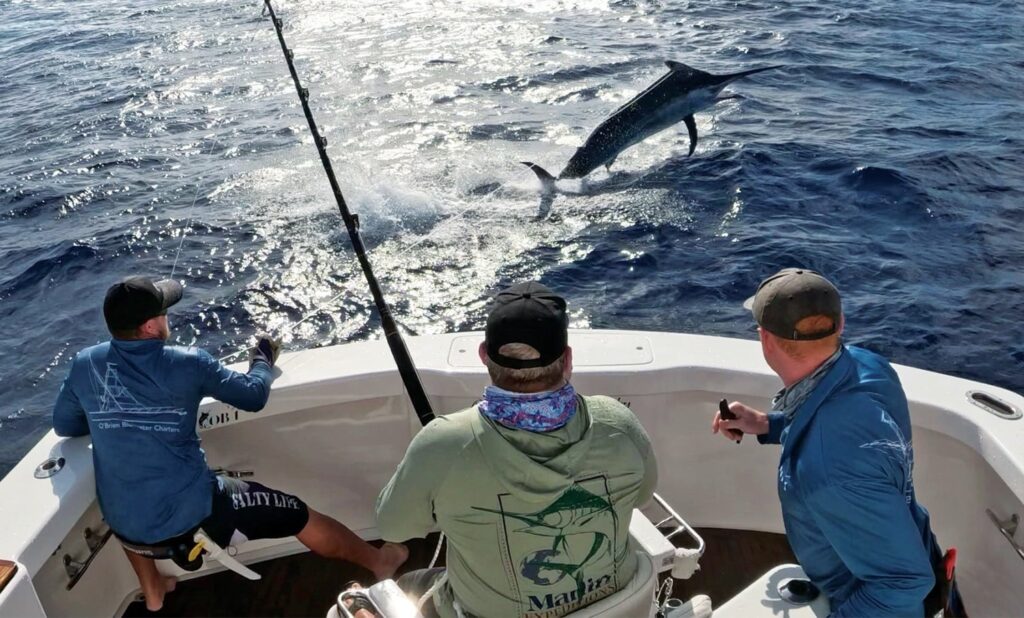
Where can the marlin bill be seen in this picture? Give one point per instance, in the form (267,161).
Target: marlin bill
(675,97)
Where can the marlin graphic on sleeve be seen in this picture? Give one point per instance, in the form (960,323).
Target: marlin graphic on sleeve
(677,96)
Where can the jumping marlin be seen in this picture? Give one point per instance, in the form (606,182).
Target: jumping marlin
(677,96)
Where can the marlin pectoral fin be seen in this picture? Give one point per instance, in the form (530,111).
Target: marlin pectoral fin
(691,126)
(608,165)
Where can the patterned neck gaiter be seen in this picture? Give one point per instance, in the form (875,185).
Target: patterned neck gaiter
(538,412)
(789,399)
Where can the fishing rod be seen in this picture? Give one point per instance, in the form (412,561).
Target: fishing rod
(406,368)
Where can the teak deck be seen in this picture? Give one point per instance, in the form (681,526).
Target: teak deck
(307,585)
(7,571)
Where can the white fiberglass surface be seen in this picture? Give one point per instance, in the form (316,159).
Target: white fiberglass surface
(333,437)
(956,485)
(338,457)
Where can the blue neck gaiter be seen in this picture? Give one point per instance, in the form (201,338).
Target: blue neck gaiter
(539,412)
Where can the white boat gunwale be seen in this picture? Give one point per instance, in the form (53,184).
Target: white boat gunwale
(38,515)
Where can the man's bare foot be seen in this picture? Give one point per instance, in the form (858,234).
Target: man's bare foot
(155,596)
(391,556)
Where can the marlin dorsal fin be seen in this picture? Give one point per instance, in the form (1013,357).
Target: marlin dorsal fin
(679,66)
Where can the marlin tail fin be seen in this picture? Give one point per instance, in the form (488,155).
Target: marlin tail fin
(547,181)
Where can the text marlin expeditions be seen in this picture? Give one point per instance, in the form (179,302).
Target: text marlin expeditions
(557,605)
(570,561)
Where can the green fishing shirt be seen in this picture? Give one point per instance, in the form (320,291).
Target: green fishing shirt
(537,523)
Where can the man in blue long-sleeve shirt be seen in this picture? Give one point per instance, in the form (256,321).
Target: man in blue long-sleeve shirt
(137,397)
(845,477)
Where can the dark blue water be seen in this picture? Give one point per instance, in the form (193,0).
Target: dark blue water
(888,154)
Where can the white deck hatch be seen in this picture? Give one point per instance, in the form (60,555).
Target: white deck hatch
(590,349)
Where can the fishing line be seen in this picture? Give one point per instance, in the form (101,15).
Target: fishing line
(191,210)
(404,362)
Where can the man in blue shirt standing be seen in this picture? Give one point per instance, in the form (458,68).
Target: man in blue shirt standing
(137,398)
(845,477)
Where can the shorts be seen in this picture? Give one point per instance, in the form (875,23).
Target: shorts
(240,511)
(244,510)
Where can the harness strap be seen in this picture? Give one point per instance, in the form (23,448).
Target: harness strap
(185,550)
(156,552)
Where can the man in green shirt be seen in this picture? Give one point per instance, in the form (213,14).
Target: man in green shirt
(534,486)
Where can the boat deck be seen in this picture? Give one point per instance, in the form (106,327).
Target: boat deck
(307,585)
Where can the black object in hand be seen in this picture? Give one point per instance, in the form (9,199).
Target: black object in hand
(728,415)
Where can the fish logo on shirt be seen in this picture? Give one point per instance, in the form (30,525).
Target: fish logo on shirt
(576,529)
(899,450)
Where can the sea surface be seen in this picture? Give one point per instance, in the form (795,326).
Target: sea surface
(165,137)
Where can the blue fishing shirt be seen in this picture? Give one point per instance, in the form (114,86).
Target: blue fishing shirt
(138,400)
(847,491)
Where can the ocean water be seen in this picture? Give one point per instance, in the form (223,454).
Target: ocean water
(158,137)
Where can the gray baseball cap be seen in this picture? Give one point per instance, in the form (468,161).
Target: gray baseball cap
(791,295)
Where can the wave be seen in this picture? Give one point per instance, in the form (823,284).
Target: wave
(887,154)
(519,83)
(55,264)
(881,181)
